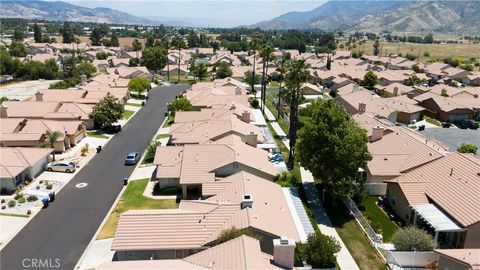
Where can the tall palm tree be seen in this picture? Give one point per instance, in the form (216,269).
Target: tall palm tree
(282,70)
(253,47)
(267,55)
(296,76)
(52,137)
(179,44)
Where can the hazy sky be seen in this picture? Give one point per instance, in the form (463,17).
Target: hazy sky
(213,12)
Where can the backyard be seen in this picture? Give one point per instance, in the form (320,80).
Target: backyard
(379,221)
(131,199)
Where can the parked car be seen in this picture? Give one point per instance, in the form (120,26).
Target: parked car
(472,124)
(61,166)
(132,158)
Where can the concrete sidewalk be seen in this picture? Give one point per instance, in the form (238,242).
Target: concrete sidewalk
(344,258)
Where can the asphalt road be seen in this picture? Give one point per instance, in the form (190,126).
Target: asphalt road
(59,234)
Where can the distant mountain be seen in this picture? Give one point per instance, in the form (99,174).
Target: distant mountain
(460,17)
(63,11)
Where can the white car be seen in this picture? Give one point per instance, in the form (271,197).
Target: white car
(61,166)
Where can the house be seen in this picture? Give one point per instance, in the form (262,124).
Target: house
(201,132)
(207,95)
(392,76)
(461,259)
(455,74)
(248,255)
(229,82)
(119,62)
(455,92)
(447,108)
(101,65)
(395,151)
(47,110)
(33,132)
(191,166)
(174,69)
(339,82)
(311,89)
(242,200)
(394,89)
(366,101)
(473,79)
(441,196)
(226,57)
(399,63)
(21,163)
(133,72)
(205,114)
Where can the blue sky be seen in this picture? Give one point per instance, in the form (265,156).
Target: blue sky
(226,13)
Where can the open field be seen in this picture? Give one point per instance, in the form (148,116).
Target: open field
(132,198)
(436,51)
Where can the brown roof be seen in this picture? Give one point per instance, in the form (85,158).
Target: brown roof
(211,114)
(149,265)
(452,183)
(469,256)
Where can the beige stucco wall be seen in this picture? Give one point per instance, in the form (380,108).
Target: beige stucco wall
(397,200)
(445,263)
(472,239)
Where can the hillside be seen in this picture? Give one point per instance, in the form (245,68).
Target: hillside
(459,17)
(63,11)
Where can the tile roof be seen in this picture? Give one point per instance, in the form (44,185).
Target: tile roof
(13,160)
(469,256)
(150,265)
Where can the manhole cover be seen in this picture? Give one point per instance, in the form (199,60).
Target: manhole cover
(81,185)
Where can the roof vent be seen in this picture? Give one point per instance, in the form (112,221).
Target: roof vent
(247,201)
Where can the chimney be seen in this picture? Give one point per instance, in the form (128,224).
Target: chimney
(395,91)
(377,133)
(38,96)
(3,111)
(83,80)
(232,106)
(245,116)
(283,252)
(444,92)
(238,90)
(247,201)
(251,139)
(362,107)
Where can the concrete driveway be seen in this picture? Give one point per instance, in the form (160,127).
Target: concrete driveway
(61,232)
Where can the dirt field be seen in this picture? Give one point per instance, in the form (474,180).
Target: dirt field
(436,51)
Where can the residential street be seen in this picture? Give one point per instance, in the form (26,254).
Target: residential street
(58,235)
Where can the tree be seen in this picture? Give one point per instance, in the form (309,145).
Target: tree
(370,79)
(267,55)
(223,70)
(253,47)
(8,64)
(137,46)
(52,137)
(297,75)
(467,148)
(181,104)
(108,111)
(96,36)
(200,72)
(17,49)
(84,68)
(282,71)
(149,42)
(193,40)
(101,55)
(413,239)
(155,58)
(319,250)
(414,80)
(376,47)
(250,78)
(18,34)
(133,62)
(37,33)
(329,63)
(139,84)
(178,44)
(114,40)
(332,146)
(67,33)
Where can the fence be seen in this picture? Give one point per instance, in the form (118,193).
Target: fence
(274,101)
(411,259)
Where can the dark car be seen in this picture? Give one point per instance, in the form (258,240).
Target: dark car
(132,158)
(472,124)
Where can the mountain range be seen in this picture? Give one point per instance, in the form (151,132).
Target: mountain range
(403,16)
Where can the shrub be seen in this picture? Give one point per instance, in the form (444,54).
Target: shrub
(233,233)
(12,203)
(319,250)
(21,200)
(467,148)
(287,179)
(254,103)
(18,196)
(49,186)
(413,239)
(32,198)
(139,84)
(181,104)
(84,150)
(150,153)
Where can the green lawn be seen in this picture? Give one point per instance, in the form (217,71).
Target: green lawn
(353,237)
(432,121)
(273,84)
(161,136)
(131,199)
(94,134)
(281,121)
(169,121)
(14,215)
(134,104)
(184,80)
(379,218)
(127,114)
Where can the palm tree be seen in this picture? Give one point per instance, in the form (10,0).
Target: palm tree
(52,137)
(282,70)
(179,44)
(253,47)
(267,55)
(296,76)
(137,46)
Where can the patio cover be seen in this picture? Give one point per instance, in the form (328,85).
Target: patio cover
(436,218)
